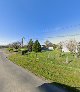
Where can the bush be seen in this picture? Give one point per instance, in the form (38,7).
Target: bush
(23,52)
(10,49)
(15,50)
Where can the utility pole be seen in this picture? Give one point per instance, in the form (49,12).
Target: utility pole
(23,41)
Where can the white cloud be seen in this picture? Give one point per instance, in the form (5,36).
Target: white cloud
(59,39)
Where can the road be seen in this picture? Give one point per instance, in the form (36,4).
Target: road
(16,79)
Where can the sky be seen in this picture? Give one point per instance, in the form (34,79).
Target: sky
(53,20)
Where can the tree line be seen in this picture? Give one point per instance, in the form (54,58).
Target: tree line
(31,46)
(35,46)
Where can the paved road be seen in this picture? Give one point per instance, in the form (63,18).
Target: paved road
(15,79)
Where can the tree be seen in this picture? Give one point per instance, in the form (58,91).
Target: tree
(36,46)
(48,44)
(16,45)
(30,44)
(54,46)
(60,46)
(78,49)
(71,45)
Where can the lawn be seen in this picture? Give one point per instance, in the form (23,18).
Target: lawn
(52,66)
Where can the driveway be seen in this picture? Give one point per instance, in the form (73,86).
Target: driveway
(16,79)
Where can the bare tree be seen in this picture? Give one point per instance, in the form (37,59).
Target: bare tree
(16,45)
(72,46)
(78,49)
(48,44)
(60,46)
(55,46)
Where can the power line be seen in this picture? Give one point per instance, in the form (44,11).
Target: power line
(65,36)
(60,36)
(64,28)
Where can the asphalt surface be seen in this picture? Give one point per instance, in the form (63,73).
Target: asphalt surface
(16,79)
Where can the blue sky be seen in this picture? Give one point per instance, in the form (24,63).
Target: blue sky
(38,19)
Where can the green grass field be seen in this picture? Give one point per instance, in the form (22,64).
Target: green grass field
(52,66)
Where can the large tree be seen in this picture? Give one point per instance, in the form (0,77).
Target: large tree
(36,46)
(48,44)
(16,45)
(30,44)
(60,46)
(71,45)
(55,46)
(78,49)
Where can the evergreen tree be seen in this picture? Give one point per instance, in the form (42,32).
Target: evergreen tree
(36,46)
(30,44)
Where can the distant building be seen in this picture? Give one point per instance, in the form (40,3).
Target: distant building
(43,47)
(46,48)
(50,48)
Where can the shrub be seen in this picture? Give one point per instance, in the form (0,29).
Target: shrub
(23,52)
(10,49)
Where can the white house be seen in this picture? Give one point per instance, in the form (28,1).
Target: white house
(50,48)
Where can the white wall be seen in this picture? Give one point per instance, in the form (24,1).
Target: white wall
(50,48)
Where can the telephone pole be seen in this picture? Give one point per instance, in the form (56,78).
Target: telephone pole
(23,41)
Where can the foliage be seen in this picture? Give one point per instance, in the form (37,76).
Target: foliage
(48,44)
(23,52)
(71,45)
(10,49)
(30,44)
(36,46)
(54,46)
(16,45)
(78,49)
(60,46)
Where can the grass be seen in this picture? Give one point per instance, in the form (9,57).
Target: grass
(52,66)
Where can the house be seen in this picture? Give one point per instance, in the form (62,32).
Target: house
(43,47)
(50,48)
